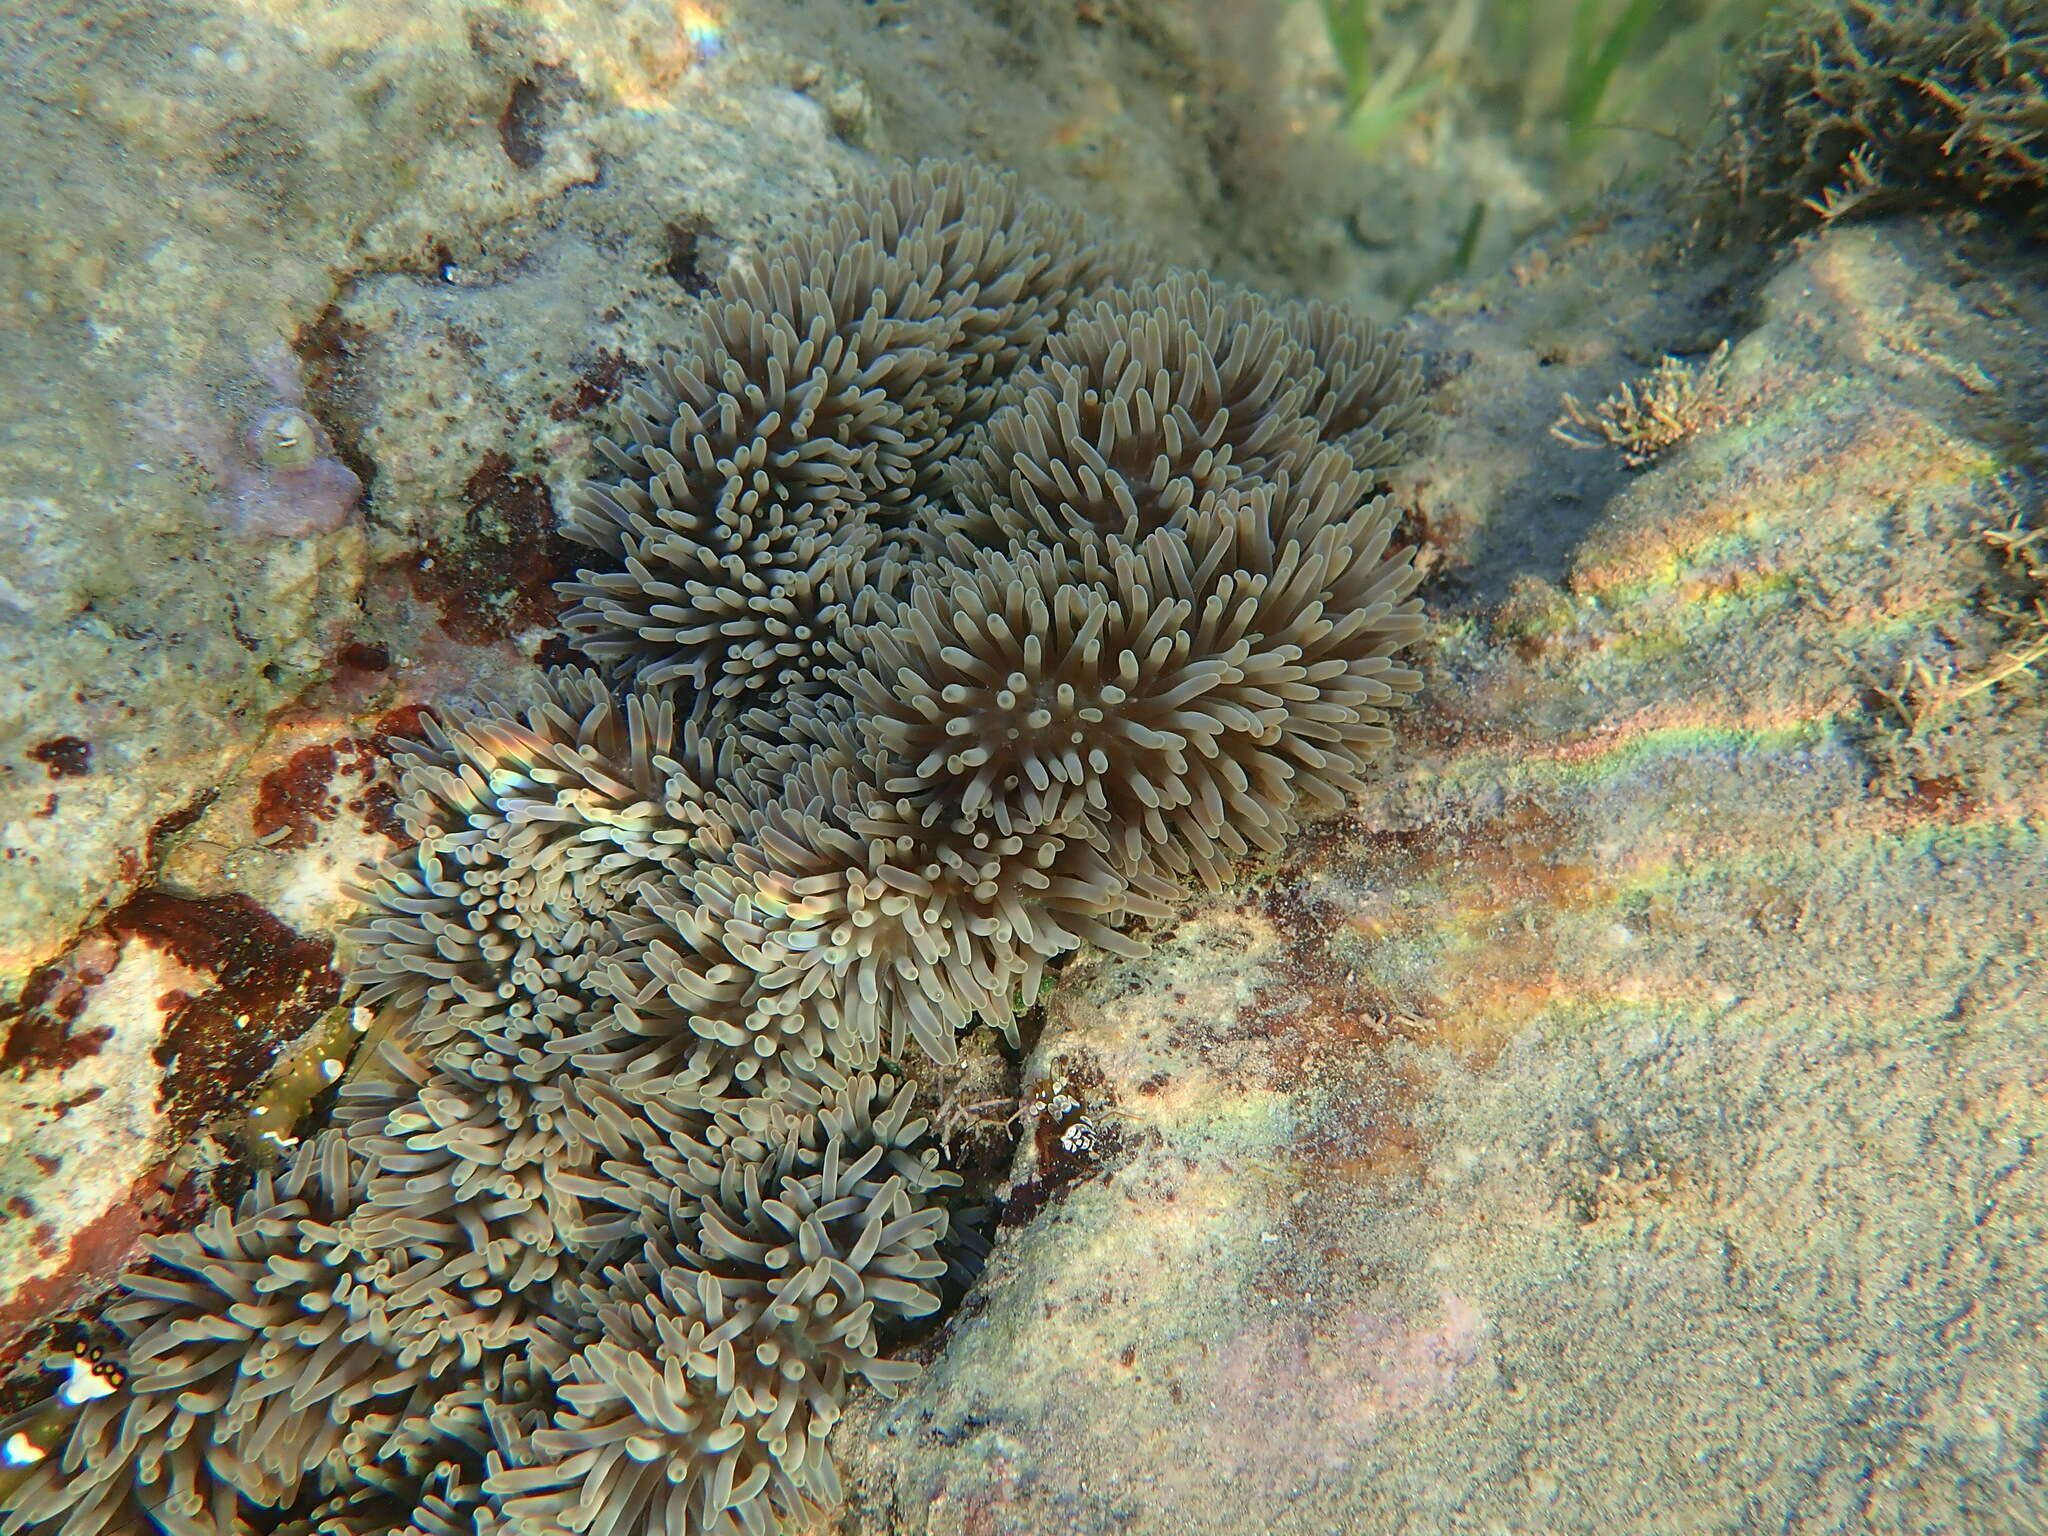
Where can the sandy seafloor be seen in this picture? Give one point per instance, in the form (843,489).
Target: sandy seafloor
(1629,1118)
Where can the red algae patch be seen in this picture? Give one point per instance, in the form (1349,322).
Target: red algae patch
(270,985)
(92,1257)
(64,757)
(163,1019)
(293,797)
(36,1029)
(493,577)
(293,800)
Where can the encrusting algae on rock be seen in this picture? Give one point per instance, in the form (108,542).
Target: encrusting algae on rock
(952,603)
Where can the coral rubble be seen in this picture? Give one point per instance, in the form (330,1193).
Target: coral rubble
(961,591)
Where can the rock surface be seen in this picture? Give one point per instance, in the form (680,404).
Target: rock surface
(1631,1118)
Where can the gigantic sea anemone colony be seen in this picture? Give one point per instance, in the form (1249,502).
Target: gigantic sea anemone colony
(959,594)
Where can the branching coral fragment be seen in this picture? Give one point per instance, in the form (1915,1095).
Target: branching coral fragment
(1648,418)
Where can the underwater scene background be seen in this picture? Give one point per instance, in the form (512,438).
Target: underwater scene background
(965,766)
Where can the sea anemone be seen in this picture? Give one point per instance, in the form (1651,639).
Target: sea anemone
(953,605)
(243,1371)
(1365,390)
(447,1501)
(1157,396)
(721,1359)
(804,420)
(530,834)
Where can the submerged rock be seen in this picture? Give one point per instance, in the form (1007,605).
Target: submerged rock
(1629,1118)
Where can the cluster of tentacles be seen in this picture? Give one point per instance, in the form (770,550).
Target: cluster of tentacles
(962,594)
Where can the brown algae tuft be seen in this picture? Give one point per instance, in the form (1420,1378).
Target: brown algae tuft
(1869,106)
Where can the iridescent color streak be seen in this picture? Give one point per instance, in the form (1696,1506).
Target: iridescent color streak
(704,30)
(1662,732)
(1727,539)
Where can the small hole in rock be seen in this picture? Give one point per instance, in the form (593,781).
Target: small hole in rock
(683,262)
(521,124)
